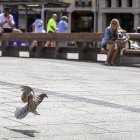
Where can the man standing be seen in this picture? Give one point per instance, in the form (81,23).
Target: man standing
(37,28)
(63,25)
(38,25)
(63,28)
(51,28)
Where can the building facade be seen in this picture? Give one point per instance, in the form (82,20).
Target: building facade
(102,11)
(127,11)
(87,15)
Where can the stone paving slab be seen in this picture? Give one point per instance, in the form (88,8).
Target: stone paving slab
(87,101)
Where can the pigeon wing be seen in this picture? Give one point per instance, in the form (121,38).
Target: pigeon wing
(26,92)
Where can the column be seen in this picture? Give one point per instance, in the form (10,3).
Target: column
(135,3)
(114,3)
(101,22)
(26,16)
(95,24)
(42,12)
(69,21)
(136,20)
(1,8)
(102,3)
(124,3)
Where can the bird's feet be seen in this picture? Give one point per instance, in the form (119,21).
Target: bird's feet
(36,113)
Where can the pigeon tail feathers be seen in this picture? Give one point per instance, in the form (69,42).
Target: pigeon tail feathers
(21,112)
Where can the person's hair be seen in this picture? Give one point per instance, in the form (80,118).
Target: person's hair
(64,18)
(117,22)
(54,15)
(38,16)
(7,9)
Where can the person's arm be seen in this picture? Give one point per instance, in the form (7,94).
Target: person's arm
(10,20)
(2,23)
(53,25)
(54,28)
(106,38)
(1,20)
(65,25)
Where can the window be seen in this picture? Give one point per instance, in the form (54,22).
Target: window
(108,3)
(119,3)
(83,3)
(82,21)
(129,3)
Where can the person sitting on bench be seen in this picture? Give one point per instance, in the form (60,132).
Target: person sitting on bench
(114,39)
(7,22)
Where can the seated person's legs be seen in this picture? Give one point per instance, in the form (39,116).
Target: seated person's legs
(110,51)
(10,30)
(112,54)
(48,44)
(7,30)
(16,31)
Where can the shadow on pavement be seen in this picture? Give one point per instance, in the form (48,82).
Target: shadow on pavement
(81,99)
(29,133)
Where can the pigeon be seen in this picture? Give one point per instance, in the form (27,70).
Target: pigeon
(28,96)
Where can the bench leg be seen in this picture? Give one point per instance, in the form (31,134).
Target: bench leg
(36,50)
(9,50)
(49,52)
(61,55)
(125,60)
(88,56)
(33,52)
(33,49)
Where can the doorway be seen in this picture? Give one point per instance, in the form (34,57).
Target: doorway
(82,21)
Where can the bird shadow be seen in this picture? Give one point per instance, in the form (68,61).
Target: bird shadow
(29,133)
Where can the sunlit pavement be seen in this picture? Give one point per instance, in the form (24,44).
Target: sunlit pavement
(87,100)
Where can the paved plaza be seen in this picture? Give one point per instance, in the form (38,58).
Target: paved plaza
(87,100)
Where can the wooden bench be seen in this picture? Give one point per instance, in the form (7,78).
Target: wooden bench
(131,56)
(84,53)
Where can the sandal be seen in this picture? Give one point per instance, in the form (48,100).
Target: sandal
(107,63)
(113,64)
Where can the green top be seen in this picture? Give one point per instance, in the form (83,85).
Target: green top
(51,25)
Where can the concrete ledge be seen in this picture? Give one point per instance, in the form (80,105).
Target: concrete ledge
(84,53)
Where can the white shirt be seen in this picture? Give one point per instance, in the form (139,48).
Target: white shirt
(38,26)
(3,19)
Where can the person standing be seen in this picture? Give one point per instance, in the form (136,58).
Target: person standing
(63,25)
(38,25)
(63,28)
(51,28)
(37,28)
(112,43)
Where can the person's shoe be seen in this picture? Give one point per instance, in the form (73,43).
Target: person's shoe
(107,63)
(113,64)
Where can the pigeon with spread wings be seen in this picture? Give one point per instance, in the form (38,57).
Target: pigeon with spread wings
(28,96)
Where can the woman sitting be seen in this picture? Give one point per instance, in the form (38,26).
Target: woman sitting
(114,39)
